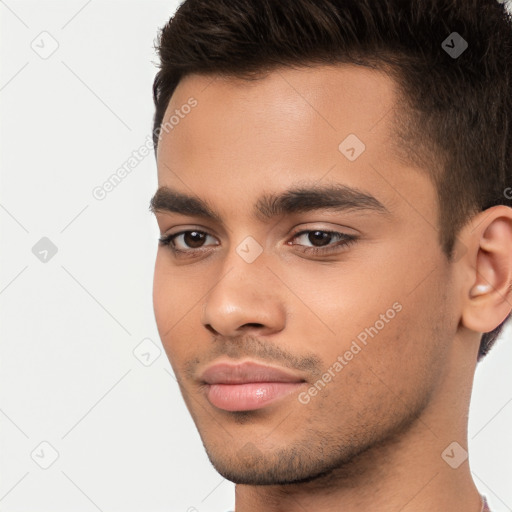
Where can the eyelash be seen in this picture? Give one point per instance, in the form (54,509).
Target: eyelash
(346,240)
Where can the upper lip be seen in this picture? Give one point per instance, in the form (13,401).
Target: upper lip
(249,371)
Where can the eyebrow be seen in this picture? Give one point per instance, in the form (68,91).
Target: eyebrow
(335,197)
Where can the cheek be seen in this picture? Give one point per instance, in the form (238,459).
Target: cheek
(170,301)
(381,322)
(408,353)
(174,293)
(341,305)
(162,298)
(177,310)
(393,371)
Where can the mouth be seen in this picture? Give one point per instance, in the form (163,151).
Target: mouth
(247,386)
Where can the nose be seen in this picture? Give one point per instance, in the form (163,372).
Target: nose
(245,299)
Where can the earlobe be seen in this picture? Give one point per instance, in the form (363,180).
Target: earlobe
(488,298)
(479,289)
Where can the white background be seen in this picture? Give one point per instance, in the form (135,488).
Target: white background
(124,438)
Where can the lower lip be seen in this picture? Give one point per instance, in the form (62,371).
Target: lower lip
(250,396)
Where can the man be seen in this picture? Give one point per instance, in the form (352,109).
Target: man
(335,212)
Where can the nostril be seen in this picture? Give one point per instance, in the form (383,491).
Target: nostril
(211,329)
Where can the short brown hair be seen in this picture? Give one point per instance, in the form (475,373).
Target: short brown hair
(458,109)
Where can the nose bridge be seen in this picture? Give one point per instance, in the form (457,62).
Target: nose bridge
(245,292)
(244,274)
(245,261)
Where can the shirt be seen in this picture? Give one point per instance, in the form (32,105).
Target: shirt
(485,506)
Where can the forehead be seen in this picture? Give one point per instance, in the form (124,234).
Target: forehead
(292,125)
(284,105)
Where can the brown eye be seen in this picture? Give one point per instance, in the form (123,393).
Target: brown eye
(186,241)
(320,238)
(194,239)
(318,241)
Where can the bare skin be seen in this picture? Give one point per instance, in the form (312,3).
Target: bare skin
(373,437)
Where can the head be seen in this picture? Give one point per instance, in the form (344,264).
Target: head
(351,120)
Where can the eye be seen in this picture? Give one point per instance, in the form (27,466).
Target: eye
(314,241)
(185,241)
(320,241)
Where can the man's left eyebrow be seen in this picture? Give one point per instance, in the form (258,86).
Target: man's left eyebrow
(336,197)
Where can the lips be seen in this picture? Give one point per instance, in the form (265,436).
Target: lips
(247,386)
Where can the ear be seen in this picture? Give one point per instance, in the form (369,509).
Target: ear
(487,267)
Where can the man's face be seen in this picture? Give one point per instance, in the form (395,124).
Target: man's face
(361,328)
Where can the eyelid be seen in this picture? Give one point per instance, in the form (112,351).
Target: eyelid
(333,232)
(168,240)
